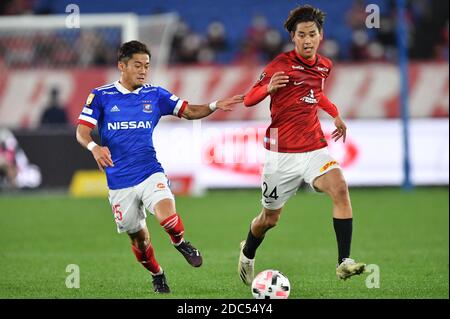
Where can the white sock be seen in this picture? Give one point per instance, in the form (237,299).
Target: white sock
(160,272)
(181,241)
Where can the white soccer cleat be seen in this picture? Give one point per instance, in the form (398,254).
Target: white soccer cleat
(348,267)
(246,267)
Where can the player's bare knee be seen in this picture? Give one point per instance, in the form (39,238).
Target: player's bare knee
(140,239)
(142,243)
(339,191)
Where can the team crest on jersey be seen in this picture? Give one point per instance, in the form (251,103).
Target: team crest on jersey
(262,76)
(89,99)
(147,107)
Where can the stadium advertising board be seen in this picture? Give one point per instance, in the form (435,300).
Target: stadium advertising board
(230,154)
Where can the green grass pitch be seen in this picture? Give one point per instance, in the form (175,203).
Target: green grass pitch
(404,233)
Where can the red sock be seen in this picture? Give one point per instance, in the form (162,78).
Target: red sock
(174,227)
(148,259)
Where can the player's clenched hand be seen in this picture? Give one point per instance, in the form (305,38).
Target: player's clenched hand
(277,81)
(225,105)
(340,131)
(102,156)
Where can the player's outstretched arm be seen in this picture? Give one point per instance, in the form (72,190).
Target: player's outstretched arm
(101,154)
(193,112)
(326,105)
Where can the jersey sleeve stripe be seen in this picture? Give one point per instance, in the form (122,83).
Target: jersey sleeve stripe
(107,86)
(92,126)
(177,108)
(183,106)
(87,119)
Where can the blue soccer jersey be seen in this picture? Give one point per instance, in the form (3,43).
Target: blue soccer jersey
(126,121)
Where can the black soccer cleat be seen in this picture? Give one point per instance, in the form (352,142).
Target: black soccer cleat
(191,253)
(160,284)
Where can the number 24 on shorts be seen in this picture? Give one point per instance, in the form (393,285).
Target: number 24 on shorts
(273,193)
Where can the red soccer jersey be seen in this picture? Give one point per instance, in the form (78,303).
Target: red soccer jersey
(295,126)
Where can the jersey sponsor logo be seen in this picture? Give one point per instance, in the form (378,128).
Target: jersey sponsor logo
(146,91)
(328,165)
(322,69)
(115,108)
(298,83)
(89,99)
(129,125)
(310,98)
(160,185)
(298,67)
(110,93)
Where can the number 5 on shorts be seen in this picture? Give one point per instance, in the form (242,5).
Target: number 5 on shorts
(117,213)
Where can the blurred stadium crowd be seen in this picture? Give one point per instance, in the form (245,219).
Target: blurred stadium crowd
(231,32)
(216,50)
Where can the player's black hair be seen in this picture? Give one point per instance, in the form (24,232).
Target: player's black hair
(304,13)
(127,50)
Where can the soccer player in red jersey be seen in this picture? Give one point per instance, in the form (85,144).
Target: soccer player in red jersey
(296,149)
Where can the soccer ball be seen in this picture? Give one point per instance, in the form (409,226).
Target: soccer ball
(271,284)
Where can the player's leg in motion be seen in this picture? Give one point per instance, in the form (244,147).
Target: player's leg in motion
(267,219)
(142,248)
(333,183)
(171,222)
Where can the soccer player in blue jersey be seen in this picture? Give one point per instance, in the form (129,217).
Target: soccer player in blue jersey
(126,113)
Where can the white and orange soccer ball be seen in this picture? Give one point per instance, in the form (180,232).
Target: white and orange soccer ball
(271,284)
